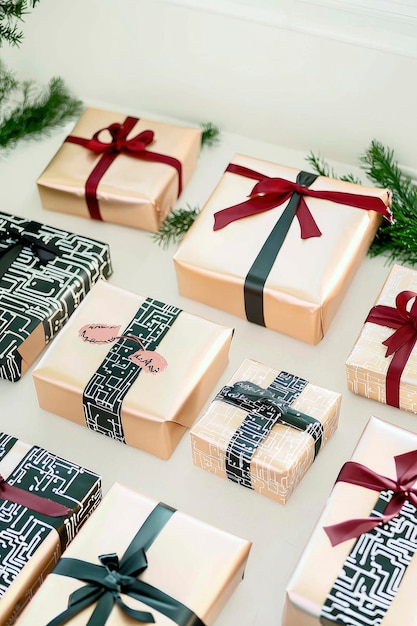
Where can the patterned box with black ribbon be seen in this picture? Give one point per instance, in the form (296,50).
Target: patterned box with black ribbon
(132,368)
(247,254)
(44,500)
(144,563)
(383,362)
(359,567)
(264,429)
(45,273)
(120,169)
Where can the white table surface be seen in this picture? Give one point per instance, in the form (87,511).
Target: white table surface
(278,532)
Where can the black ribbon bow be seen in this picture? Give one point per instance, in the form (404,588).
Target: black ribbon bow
(44,251)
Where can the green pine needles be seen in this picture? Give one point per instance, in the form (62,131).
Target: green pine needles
(11,13)
(174,227)
(211,134)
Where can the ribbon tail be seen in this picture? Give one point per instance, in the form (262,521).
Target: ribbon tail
(351,529)
(139,616)
(102,610)
(79,600)
(308,225)
(252,206)
(36,503)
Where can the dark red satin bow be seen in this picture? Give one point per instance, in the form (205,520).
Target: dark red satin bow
(36,503)
(358,474)
(120,144)
(402,341)
(269,193)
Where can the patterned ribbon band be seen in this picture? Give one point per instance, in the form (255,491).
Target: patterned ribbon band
(107,581)
(387,541)
(401,343)
(136,147)
(31,501)
(104,393)
(264,407)
(267,194)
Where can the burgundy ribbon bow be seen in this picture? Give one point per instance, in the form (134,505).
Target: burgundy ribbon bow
(269,193)
(45,506)
(120,144)
(358,474)
(402,341)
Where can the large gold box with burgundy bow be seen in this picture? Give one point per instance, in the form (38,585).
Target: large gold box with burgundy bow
(299,295)
(132,180)
(194,563)
(371,372)
(133,368)
(32,541)
(371,579)
(284,454)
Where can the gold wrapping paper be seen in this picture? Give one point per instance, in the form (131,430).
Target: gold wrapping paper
(157,409)
(184,547)
(132,192)
(366,366)
(321,563)
(284,457)
(309,277)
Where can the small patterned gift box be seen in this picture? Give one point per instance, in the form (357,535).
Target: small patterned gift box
(120,169)
(167,565)
(383,362)
(132,368)
(45,273)
(359,566)
(44,501)
(264,429)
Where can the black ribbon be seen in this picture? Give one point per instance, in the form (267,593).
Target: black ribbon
(261,267)
(16,240)
(107,581)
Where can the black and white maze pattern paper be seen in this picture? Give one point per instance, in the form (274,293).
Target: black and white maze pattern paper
(33,293)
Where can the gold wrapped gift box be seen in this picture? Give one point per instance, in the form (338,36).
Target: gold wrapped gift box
(321,564)
(367,365)
(193,562)
(282,459)
(156,409)
(133,192)
(309,276)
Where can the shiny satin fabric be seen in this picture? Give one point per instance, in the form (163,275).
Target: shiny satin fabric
(306,590)
(366,365)
(157,409)
(309,277)
(132,192)
(282,460)
(183,547)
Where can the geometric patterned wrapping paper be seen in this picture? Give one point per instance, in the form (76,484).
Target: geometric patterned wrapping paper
(367,365)
(276,463)
(38,296)
(135,190)
(195,563)
(102,386)
(368,581)
(31,543)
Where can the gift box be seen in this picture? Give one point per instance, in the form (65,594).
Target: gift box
(44,501)
(383,362)
(264,429)
(365,540)
(120,169)
(132,368)
(196,565)
(45,273)
(247,255)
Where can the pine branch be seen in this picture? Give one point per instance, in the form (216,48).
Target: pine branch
(7,83)
(323,169)
(11,13)
(175,225)
(211,134)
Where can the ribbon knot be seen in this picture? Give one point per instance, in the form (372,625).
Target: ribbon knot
(119,142)
(44,251)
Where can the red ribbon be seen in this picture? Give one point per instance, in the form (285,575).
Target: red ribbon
(358,474)
(45,506)
(402,341)
(135,147)
(269,193)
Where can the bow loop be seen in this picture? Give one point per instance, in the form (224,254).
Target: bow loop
(119,142)
(44,251)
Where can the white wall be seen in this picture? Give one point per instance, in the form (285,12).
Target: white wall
(272,81)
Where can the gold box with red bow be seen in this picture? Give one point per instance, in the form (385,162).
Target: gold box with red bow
(132,368)
(146,563)
(246,254)
(44,501)
(264,429)
(383,362)
(359,566)
(120,169)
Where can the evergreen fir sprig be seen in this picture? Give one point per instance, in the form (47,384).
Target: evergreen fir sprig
(175,225)
(11,12)
(211,134)
(323,169)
